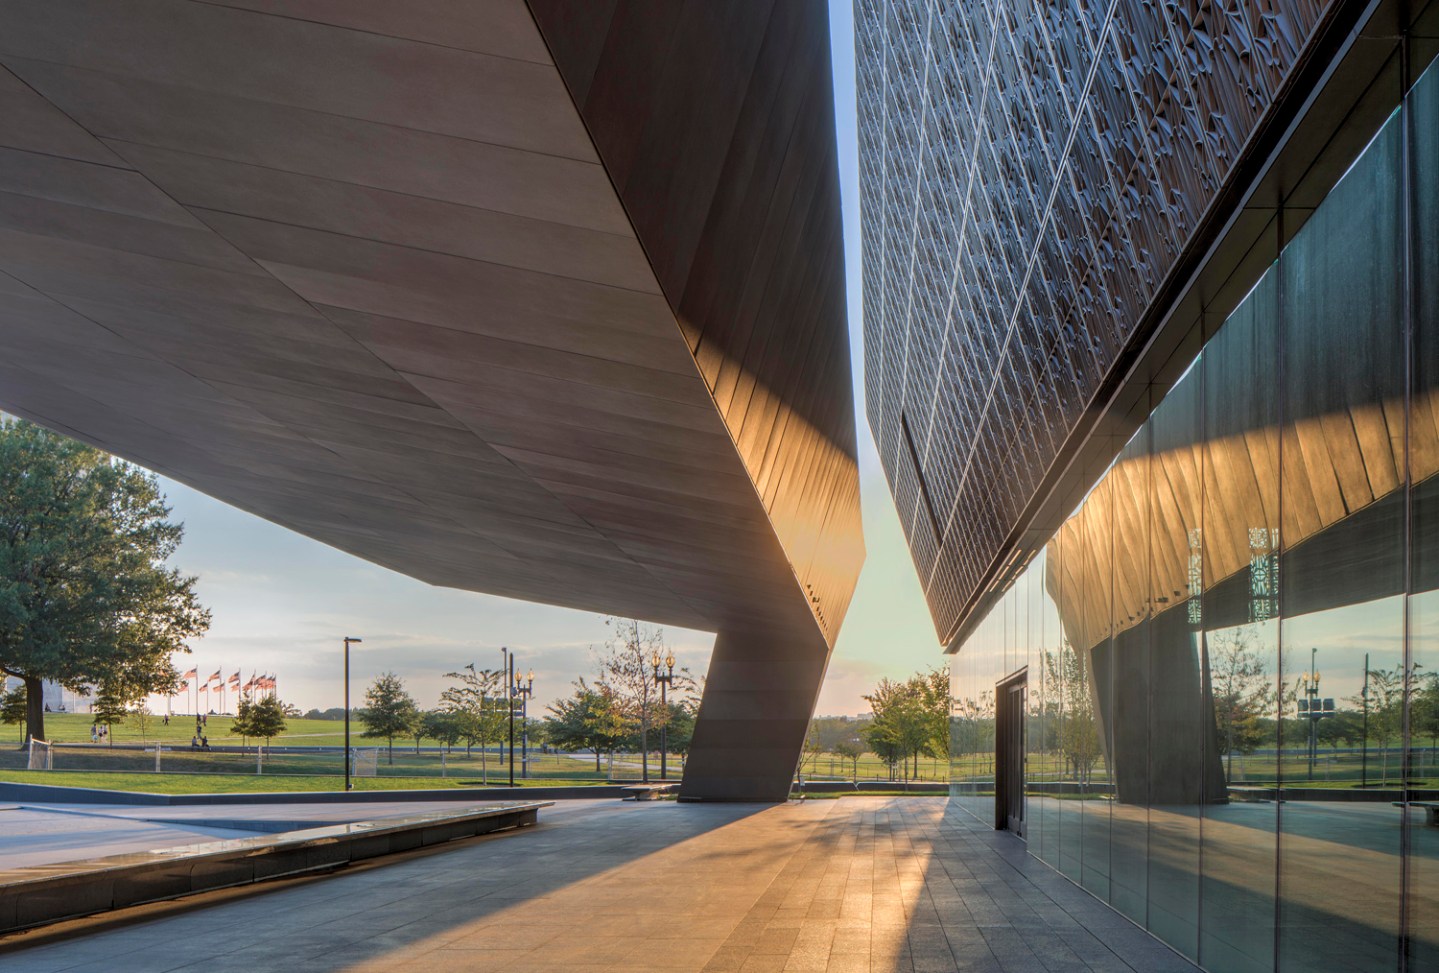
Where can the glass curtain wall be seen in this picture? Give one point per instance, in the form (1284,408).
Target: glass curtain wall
(1232,645)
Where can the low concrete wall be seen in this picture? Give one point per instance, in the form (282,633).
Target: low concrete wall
(89,795)
(50,893)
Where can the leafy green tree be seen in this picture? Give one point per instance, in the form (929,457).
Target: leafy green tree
(477,704)
(1344,728)
(932,689)
(263,718)
(851,750)
(389,711)
(1424,708)
(1243,693)
(1384,705)
(911,719)
(12,705)
(244,713)
(1079,739)
(537,731)
(896,729)
(681,726)
(109,710)
(592,718)
(86,597)
(441,726)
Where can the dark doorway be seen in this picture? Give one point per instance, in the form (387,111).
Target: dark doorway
(1009,753)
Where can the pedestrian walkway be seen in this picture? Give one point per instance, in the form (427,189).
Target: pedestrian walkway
(858,884)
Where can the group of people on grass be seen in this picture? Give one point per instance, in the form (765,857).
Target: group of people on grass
(200,741)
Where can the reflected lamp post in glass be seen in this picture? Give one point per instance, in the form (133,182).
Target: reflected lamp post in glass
(664,680)
(1310,706)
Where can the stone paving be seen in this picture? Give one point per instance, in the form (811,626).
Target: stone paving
(859,884)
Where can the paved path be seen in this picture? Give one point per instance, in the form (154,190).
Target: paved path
(859,884)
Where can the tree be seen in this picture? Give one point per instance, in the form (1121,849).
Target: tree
(109,710)
(240,725)
(851,750)
(268,719)
(441,726)
(937,709)
(1079,740)
(1382,703)
(85,594)
(911,719)
(12,706)
(681,726)
(590,719)
(141,715)
(262,718)
(1243,693)
(626,669)
(389,711)
(1424,709)
(474,704)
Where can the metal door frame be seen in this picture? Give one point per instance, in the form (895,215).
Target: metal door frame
(1010,701)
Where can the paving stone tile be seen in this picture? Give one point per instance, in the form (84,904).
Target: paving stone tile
(860,885)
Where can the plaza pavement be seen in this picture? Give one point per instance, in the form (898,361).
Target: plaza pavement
(859,884)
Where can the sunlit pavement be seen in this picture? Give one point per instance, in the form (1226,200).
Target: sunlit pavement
(831,885)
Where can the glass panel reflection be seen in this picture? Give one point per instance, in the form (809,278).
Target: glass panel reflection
(1423,785)
(1233,642)
(1241,633)
(1341,638)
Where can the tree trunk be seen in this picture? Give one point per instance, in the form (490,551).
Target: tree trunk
(34,708)
(645,750)
(598,768)
(392,751)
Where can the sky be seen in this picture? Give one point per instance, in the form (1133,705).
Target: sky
(282,602)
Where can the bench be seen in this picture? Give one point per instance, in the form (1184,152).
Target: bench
(1431,810)
(648,792)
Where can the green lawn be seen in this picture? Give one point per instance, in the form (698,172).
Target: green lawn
(75,728)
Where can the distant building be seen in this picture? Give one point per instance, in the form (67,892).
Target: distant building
(57,697)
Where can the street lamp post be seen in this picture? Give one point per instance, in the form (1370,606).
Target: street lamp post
(664,680)
(1309,686)
(348,640)
(525,688)
(509,670)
